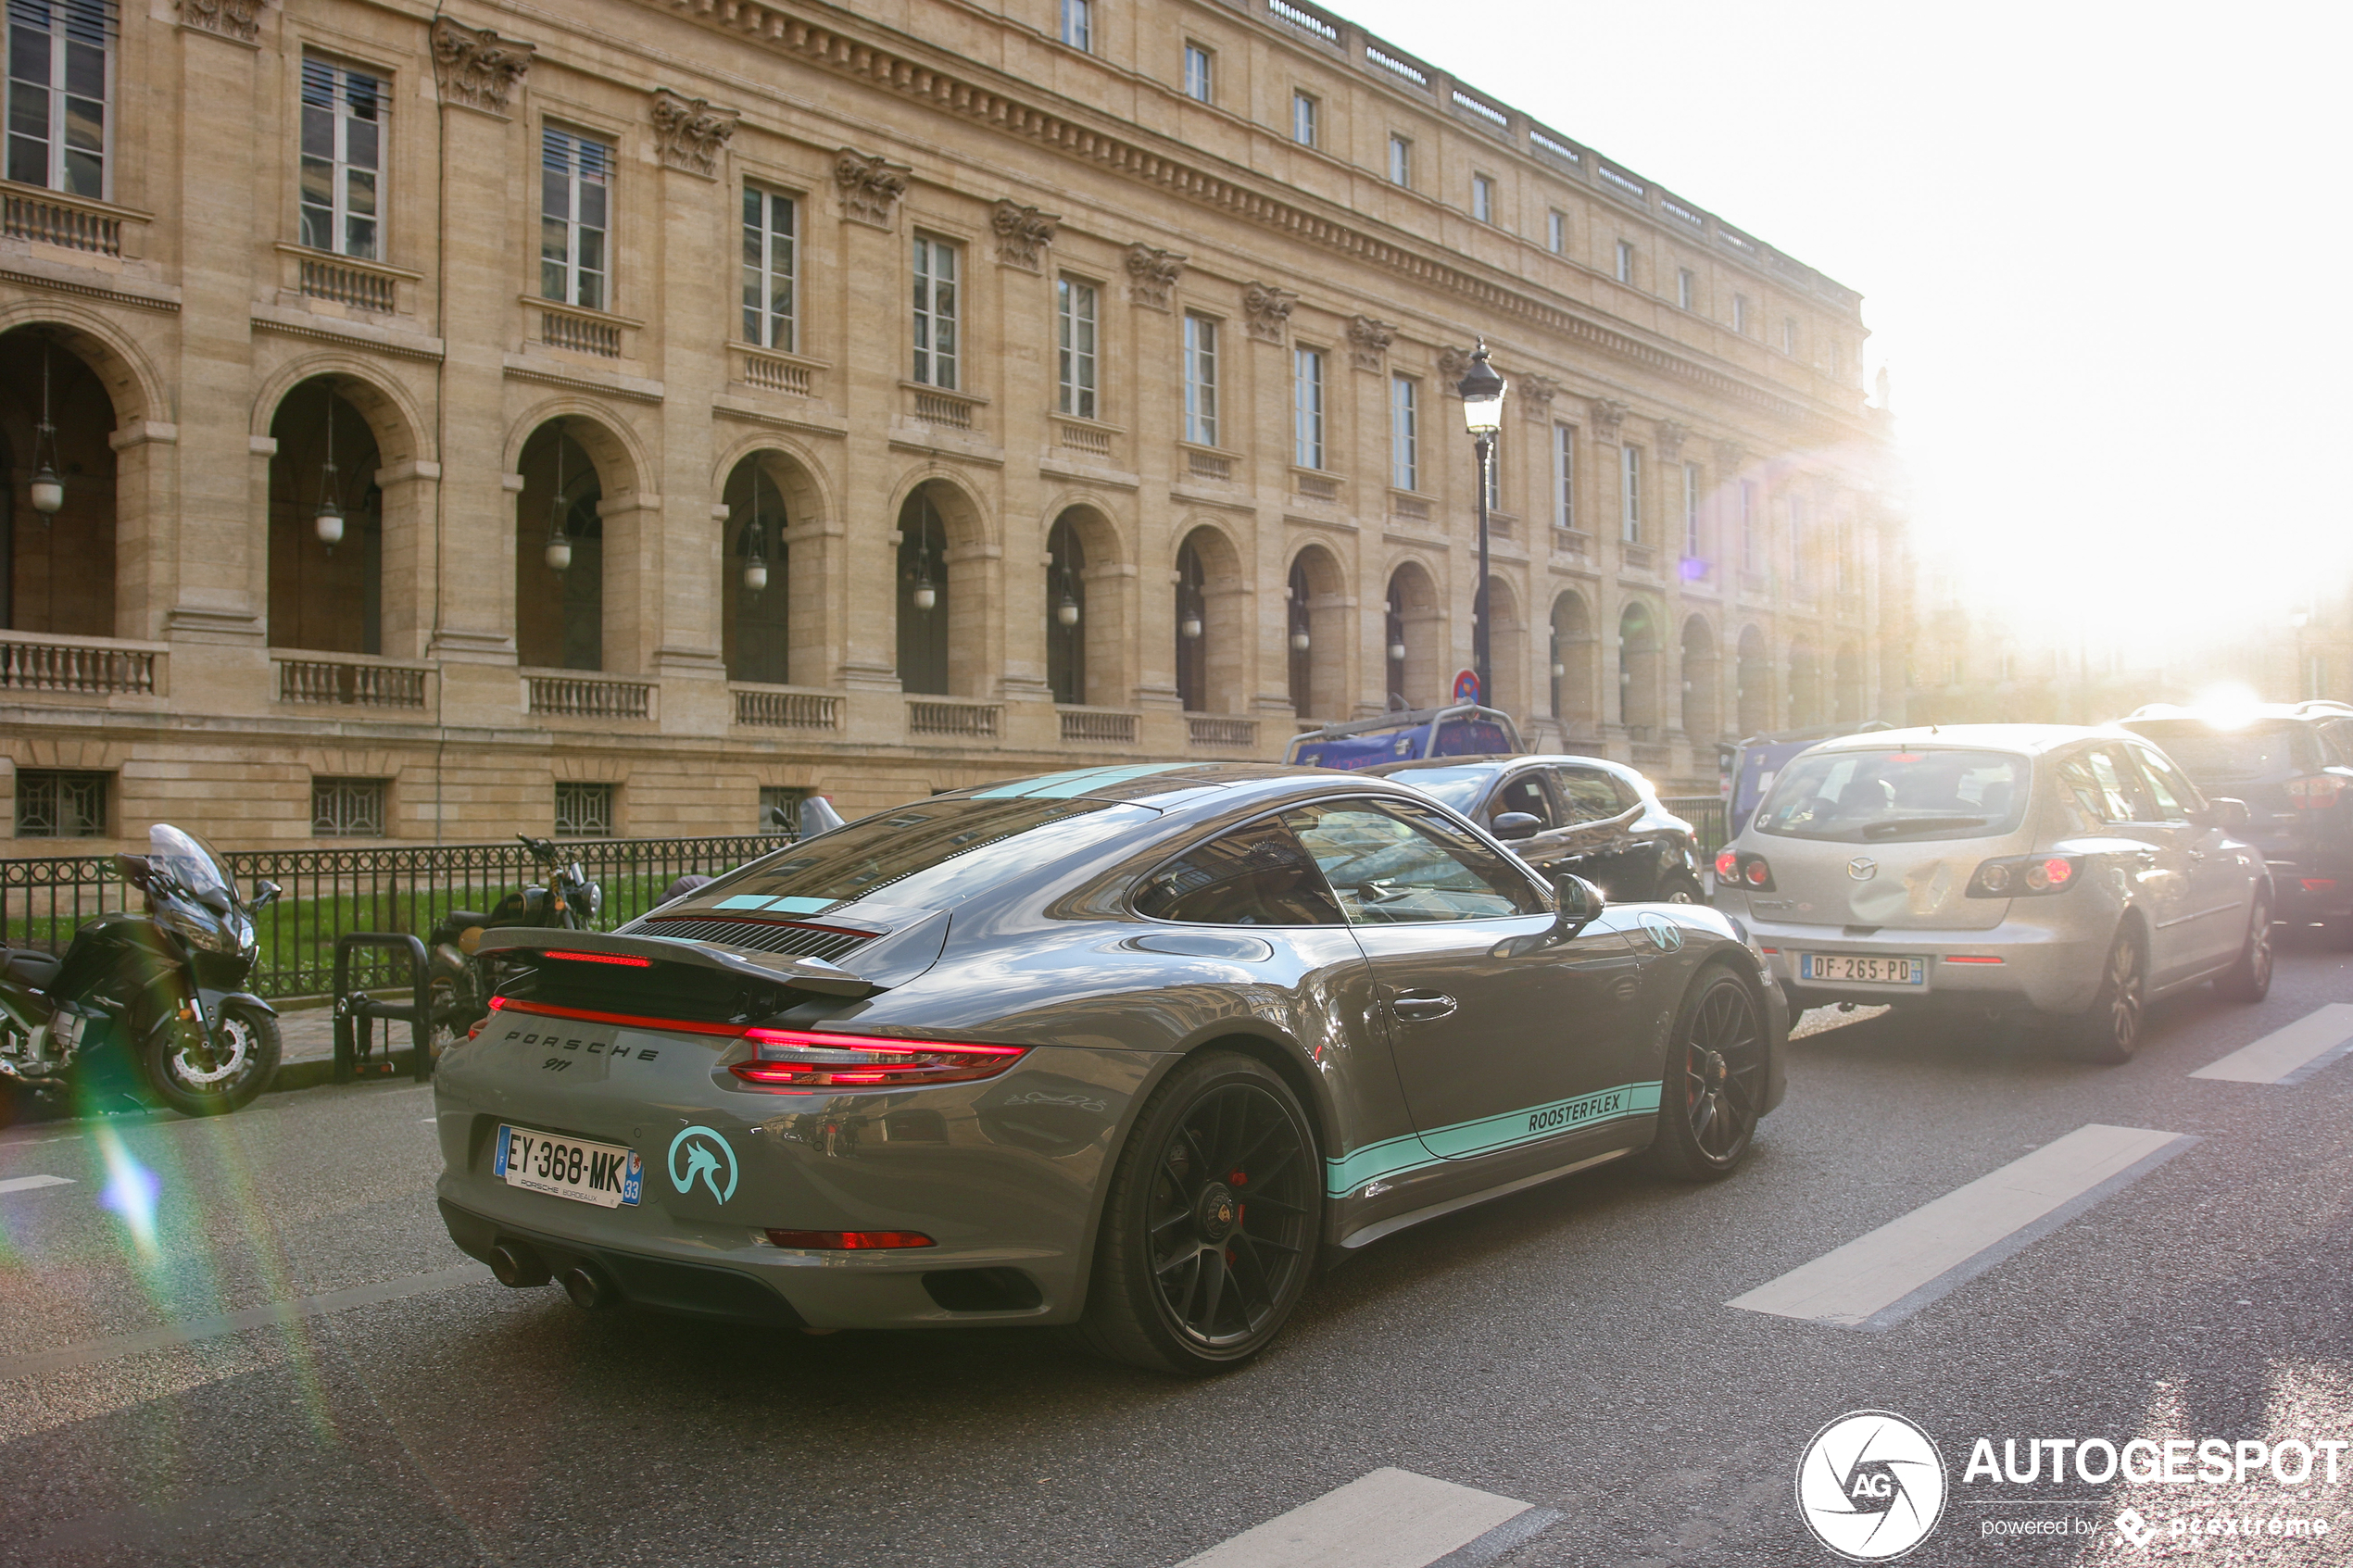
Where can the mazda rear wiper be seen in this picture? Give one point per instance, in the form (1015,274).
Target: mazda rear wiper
(1921,824)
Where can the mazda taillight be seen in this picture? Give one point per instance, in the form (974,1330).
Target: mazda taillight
(800,1061)
(2021,876)
(1728,865)
(2317,793)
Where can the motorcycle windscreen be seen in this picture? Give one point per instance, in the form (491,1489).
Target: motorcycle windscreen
(193,864)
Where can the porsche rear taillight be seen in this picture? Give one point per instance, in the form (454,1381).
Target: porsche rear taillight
(2317,793)
(796,1061)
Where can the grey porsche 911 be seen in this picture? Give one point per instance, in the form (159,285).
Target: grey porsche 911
(1134,1049)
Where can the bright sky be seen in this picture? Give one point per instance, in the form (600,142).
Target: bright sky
(2103,251)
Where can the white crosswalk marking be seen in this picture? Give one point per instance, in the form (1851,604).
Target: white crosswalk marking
(2289,1055)
(1881,1278)
(1389,1518)
(27,1183)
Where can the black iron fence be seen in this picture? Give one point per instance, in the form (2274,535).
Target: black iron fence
(1706,813)
(327,892)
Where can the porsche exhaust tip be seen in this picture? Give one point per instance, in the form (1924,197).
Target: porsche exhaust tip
(589,1290)
(516,1266)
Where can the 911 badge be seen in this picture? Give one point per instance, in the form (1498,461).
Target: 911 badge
(1665,934)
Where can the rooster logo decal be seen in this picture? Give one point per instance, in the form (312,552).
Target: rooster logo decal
(705,1157)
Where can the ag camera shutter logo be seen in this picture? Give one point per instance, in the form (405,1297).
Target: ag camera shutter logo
(1870,1485)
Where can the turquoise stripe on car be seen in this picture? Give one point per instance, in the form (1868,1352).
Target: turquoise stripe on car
(1488,1134)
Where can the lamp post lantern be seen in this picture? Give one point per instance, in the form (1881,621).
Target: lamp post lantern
(1482,393)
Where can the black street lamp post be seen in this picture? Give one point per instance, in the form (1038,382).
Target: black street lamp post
(1482,393)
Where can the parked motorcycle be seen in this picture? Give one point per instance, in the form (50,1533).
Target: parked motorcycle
(164,986)
(461,982)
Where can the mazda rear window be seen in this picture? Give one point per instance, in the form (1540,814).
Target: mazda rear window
(1890,797)
(928,855)
(2260,751)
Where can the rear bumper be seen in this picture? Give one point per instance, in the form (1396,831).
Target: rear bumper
(2020,965)
(2309,885)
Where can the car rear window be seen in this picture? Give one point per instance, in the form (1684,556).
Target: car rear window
(2259,751)
(1880,797)
(928,855)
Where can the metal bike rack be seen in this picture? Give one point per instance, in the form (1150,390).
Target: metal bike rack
(356,1010)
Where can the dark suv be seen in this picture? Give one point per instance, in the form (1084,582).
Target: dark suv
(1599,819)
(2293,765)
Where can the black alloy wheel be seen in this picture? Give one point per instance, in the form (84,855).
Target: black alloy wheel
(2249,979)
(1678,888)
(1713,1090)
(1212,1221)
(2109,1030)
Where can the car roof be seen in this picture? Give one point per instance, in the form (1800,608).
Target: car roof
(1163,785)
(2031,739)
(2239,718)
(1502,760)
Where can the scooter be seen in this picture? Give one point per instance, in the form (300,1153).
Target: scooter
(163,987)
(568,901)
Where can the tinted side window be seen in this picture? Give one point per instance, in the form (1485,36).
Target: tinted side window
(1255,874)
(2084,799)
(1395,865)
(1524,792)
(1592,794)
(2175,797)
(2128,800)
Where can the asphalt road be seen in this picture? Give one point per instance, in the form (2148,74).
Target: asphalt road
(1569,1348)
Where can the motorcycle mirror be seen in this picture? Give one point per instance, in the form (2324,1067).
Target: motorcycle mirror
(265,893)
(137,870)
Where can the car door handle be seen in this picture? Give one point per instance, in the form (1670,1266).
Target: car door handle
(1420,1005)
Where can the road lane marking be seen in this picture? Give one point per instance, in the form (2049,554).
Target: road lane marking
(1389,1519)
(188,1333)
(27,1183)
(2291,1055)
(1877,1281)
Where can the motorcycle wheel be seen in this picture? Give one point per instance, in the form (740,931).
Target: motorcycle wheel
(242,1060)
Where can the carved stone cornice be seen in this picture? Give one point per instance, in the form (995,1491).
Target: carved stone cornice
(1152,273)
(690,133)
(238,20)
(1608,415)
(1267,311)
(1535,395)
(1368,342)
(1671,439)
(477,68)
(1022,233)
(871,186)
(961,89)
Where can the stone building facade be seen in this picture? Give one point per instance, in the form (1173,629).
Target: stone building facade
(620,415)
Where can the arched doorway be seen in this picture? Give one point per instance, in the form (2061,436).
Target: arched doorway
(1316,637)
(1753,693)
(1804,686)
(755,579)
(1638,707)
(559,553)
(326,524)
(1067,623)
(1848,675)
(1417,638)
(1701,681)
(924,596)
(1572,668)
(56,568)
(1507,651)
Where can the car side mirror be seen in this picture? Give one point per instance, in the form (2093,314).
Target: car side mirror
(1580,904)
(1517,824)
(2229,814)
(265,893)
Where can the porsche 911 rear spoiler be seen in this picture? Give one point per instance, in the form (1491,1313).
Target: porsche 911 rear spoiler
(812,974)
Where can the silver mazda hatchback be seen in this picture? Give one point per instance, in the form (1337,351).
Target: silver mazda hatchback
(2070,874)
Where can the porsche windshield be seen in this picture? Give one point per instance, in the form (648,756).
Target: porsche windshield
(1879,796)
(931,854)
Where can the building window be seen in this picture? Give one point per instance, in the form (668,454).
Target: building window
(781,797)
(1838,359)
(347,808)
(1400,160)
(1200,380)
(1307,407)
(1691,511)
(1625,261)
(1482,199)
(60,71)
(1686,288)
(584,811)
(1074,345)
(1789,334)
(1563,476)
(1302,119)
(343,114)
(1749,557)
(1494,475)
(1201,81)
(1078,23)
(575,188)
(1404,432)
(1629,517)
(769,260)
(1740,313)
(935,312)
(57,805)
(1796,540)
